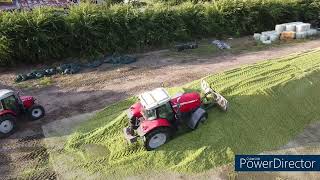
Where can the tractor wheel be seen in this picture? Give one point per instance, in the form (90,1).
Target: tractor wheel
(7,125)
(202,119)
(36,112)
(156,138)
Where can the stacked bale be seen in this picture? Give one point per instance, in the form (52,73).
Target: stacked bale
(312,32)
(303,27)
(280,28)
(291,27)
(302,30)
(288,35)
(267,37)
(286,31)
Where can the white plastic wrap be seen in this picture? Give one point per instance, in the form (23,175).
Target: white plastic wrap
(268,32)
(303,27)
(280,28)
(256,36)
(290,27)
(267,42)
(274,37)
(264,38)
(301,35)
(312,32)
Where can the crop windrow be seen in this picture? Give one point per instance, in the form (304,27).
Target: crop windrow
(265,113)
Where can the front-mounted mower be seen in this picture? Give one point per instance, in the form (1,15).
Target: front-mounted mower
(157,116)
(12,106)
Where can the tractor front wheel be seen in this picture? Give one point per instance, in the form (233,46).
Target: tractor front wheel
(7,125)
(156,138)
(36,112)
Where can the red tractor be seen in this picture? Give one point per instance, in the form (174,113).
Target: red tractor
(157,116)
(12,106)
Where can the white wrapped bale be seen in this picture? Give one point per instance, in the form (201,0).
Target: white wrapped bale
(267,42)
(264,37)
(303,27)
(291,27)
(280,28)
(294,23)
(256,36)
(312,32)
(268,32)
(298,22)
(301,35)
(274,37)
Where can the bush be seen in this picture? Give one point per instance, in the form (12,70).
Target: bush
(35,35)
(47,34)
(5,51)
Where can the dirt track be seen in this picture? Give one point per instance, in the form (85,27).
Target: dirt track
(92,90)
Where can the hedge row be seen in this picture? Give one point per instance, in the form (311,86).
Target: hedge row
(49,34)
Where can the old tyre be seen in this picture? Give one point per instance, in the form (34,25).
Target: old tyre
(7,125)
(36,112)
(156,138)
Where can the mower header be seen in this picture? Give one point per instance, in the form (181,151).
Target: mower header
(155,98)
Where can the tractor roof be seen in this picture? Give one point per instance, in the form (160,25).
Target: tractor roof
(5,93)
(155,98)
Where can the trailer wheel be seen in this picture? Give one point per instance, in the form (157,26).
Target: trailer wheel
(156,138)
(36,112)
(7,125)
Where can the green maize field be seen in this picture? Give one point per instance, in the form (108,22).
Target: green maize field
(270,103)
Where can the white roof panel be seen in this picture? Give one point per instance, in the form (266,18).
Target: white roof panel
(155,98)
(5,93)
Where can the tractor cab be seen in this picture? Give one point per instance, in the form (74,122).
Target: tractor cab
(156,104)
(9,101)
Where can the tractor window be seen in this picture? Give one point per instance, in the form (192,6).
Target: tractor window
(10,103)
(150,114)
(165,111)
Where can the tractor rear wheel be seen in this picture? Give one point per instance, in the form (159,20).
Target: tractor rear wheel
(36,112)
(7,125)
(156,138)
(202,119)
